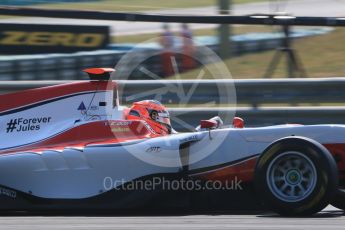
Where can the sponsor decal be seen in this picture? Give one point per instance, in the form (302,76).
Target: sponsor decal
(120,129)
(188,139)
(94,107)
(26,124)
(119,126)
(8,192)
(82,108)
(153,149)
(119,123)
(149,127)
(35,38)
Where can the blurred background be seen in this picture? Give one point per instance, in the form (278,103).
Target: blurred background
(320,50)
(310,58)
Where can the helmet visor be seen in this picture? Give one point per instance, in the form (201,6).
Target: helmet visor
(160,116)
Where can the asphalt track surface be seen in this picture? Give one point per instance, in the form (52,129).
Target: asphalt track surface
(330,218)
(325,8)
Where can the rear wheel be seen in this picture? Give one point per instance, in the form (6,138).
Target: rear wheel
(296,176)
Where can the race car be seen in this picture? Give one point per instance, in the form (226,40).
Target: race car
(73,147)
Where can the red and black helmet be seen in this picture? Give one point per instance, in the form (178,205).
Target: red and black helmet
(154,113)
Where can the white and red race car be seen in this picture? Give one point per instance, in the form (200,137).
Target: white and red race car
(70,146)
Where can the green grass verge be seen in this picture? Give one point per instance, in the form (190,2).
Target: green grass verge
(237,29)
(137,5)
(322,56)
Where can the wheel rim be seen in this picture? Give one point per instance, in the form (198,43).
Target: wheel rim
(291,176)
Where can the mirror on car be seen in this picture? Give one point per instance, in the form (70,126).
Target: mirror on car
(238,123)
(208,124)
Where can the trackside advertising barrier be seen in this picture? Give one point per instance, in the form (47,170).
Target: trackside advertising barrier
(35,38)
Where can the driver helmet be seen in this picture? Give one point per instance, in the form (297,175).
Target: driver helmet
(154,113)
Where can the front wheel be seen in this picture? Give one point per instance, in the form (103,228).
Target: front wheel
(296,176)
(339,200)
